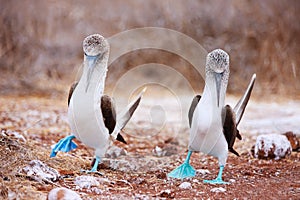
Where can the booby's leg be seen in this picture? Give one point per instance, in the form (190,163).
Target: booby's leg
(218,180)
(185,170)
(95,166)
(65,145)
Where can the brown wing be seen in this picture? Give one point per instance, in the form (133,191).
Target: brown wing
(109,115)
(230,128)
(108,112)
(72,88)
(193,106)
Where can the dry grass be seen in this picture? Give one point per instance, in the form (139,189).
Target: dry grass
(43,42)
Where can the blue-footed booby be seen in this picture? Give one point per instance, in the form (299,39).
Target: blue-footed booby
(213,126)
(92,116)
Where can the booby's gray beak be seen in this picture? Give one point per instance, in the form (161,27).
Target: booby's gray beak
(218,79)
(91,66)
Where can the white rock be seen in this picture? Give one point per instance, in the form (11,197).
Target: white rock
(38,171)
(157,151)
(203,171)
(63,194)
(96,190)
(218,189)
(86,182)
(232,180)
(185,185)
(167,150)
(272,146)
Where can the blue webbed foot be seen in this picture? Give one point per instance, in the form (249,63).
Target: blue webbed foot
(65,145)
(183,171)
(94,168)
(218,180)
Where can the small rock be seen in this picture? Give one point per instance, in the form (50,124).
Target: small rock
(14,134)
(185,185)
(63,194)
(86,182)
(272,146)
(232,180)
(157,151)
(38,171)
(167,150)
(166,194)
(114,152)
(203,171)
(293,140)
(218,189)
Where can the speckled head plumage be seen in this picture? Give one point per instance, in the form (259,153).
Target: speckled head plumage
(94,45)
(217,61)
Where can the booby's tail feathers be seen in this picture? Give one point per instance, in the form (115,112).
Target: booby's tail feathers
(233,151)
(65,145)
(242,103)
(126,114)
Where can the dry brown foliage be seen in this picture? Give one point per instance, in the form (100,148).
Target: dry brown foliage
(41,41)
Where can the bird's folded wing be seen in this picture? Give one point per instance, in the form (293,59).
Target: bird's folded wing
(193,106)
(72,88)
(108,112)
(242,103)
(230,128)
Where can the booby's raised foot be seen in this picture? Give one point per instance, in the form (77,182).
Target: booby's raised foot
(185,170)
(65,145)
(218,180)
(94,168)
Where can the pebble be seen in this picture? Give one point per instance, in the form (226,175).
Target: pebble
(218,189)
(167,150)
(185,185)
(63,194)
(203,171)
(86,182)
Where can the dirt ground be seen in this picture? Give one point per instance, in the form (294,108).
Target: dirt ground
(30,125)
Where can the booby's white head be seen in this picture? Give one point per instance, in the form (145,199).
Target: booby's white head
(217,65)
(96,48)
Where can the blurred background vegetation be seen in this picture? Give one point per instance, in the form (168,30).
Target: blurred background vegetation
(40,49)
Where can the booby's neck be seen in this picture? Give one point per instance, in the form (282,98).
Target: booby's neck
(210,91)
(97,78)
